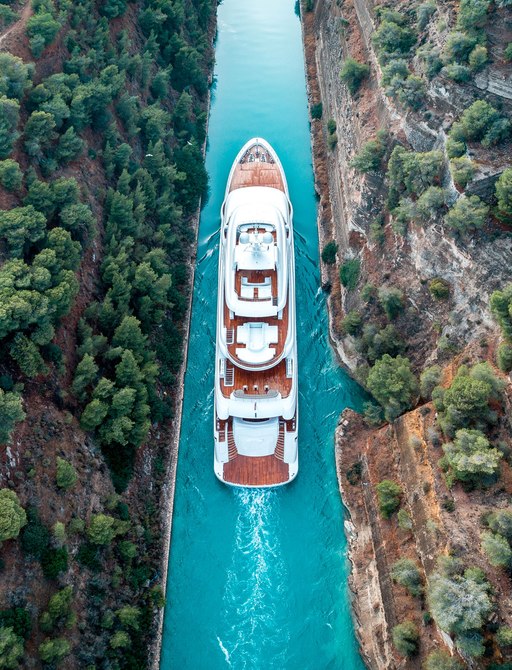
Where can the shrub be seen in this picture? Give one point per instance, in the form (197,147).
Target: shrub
(430,202)
(404,519)
(54,561)
(16,76)
(388,494)
(460,604)
(424,13)
(11,176)
(9,116)
(369,157)
(11,412)
(504,357)
(392,40)
(481,123)
(393,384)
(504,193)
(497,549)
(406,638)
(501,522)
(468,213)
(353,73)
(441,660)
(456,72)
(329,252)
(429,379)
(373,414)
(462,170)
(66,474)
(352,322)
(317,111)
(405,572)
(501,308)
(504,636)
(12,515)
(11,648)
(439,288)
(392,301)
(412,172)
(120,640)
(54,651)
(478,58)
(471,457)
(349,273)
(102,529)
(458,46)
(508,52)
(129,616)
(472,14)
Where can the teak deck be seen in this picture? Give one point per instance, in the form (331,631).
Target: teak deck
(257,173)
(256,471)
(275,379)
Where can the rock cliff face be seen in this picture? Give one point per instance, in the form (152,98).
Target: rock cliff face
(354,212)
(473,267)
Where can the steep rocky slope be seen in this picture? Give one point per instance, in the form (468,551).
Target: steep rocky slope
(378,238)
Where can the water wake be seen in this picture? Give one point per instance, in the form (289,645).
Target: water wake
(253,636)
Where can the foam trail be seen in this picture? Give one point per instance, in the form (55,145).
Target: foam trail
(254,635)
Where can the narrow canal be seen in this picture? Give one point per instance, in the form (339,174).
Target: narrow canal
(257,579)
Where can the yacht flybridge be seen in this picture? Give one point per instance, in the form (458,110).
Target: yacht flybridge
(255,419)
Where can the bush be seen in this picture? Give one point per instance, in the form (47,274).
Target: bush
(460,605)
(406,638)
(439,288)
(497,550)
(472,14)
(392,40)
(478,58)
(388,494)
(66,474)
(501,522)
(317,111)
(349,273)
(424,13)
(11,176)
(504,357)
(508,52)
(481,123)
(353,73)
(504,636)
(392,301)
(54,561)
(429,379)
(468,213)
(501,308)
(471,458)
(405,572)
(504,193)
(441,660)
(11,648)
(41,29)
(462,170)
(12,515)
(35,536)
(370,156)
(393,384)
(11,412)
(352,322)
(329,252)
(9,116)
(456,72)
(54,651)
(404,520)
(102,529)
(457,48)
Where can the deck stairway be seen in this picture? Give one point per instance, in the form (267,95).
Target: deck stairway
(232,450)
(279,452)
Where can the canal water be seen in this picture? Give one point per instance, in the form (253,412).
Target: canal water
(257,579)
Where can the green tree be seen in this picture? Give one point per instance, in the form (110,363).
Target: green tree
(501,308)
(439,288)
(504,192)
(370,156)
(460,604)
(406,638)
(12,515)
(11,412)
(471,457)
(66,474)
(120,640)
(129,616)
(353,73)
(504,636)
(41,29)
(352,322)
(462,170)
(11,176)
(405,572)
(54,650)
(465,402)
(85,374)
(11,648)
(16,76)
(329,252)
(472,14)
(27,356)
(70,146)
(349,273)
(392,40)
(102,529)
(391,300)
(388,494)
(393,384)
(497,549)
(9,116)
(429,379)
(93,414)
(501,522)
(21,226)
(468,213)
(39,132)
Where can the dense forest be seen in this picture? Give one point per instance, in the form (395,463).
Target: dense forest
(102,131)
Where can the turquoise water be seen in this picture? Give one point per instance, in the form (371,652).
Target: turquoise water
(257,579)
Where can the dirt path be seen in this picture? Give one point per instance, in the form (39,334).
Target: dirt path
(19,26)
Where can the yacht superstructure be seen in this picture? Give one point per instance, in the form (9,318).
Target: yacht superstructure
(256,421)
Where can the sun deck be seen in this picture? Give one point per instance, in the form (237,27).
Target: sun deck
(256,382)
(257,168)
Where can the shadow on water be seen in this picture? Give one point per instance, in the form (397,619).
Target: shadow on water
(257,578)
